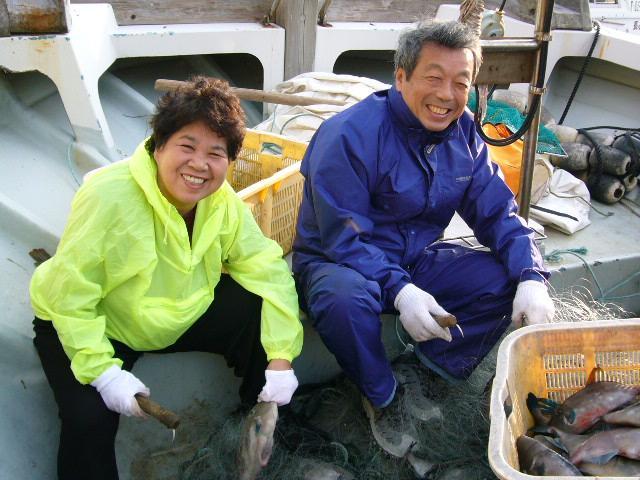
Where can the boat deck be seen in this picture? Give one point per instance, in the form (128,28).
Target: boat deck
(42,167)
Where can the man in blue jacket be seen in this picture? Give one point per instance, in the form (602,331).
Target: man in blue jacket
(383,180)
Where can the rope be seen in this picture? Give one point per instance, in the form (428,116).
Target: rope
(628,207)
(620,284)
(408,347)
(605,127)
(471,14)
(585,64)
(298,116)
(554,257)
(629,140)
(604,214)
(503,142)
(598,168)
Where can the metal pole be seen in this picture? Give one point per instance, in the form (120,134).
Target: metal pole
(528,161)
(542,29)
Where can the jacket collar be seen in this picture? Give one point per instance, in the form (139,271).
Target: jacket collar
(144,171)
(407,121)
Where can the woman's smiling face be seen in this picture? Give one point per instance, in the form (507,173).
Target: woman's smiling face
(192,165)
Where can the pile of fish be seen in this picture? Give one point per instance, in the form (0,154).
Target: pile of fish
(595,431)
(608,164)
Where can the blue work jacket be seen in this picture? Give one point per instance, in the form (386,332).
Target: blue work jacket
(380,188)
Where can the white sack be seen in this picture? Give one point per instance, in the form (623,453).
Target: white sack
(301,122)
(566,195)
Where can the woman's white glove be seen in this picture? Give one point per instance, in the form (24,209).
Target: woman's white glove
(279,386)
(532,304)
(417,309)
(117,388)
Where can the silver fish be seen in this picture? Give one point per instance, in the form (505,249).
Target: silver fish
(256,442)
(569,441)
(583,409)
(317,470)
(536,459)
(540,420)
(629,416)
(603,446)
(551,443)
(616,467)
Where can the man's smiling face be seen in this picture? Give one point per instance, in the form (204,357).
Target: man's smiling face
(192,164)
(438,88)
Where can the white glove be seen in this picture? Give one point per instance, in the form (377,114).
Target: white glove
(117,388)
(532,304)
(279,386)
(416,308)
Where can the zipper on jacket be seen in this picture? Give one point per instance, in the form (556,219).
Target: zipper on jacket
(427,168)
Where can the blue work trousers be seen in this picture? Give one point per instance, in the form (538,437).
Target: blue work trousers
(345,309)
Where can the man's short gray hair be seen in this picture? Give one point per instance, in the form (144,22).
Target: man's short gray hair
(447,34)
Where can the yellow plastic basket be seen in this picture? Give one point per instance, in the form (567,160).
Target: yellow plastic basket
(554,361)
(267,177)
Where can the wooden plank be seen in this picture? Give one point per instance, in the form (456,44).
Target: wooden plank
(382,10)
(4,19)
(161,12)
(568,14)
(299,19)
(506,67)
(37,16)
(165,85)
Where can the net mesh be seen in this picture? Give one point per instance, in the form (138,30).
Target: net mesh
(324,433)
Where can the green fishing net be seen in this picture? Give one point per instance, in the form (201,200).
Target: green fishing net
(325,425)
(500,112)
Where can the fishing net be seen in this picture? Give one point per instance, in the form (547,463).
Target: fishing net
(577,304)
(325,426)
(502,113)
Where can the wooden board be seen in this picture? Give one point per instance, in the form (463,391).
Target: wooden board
(34,16)
(160,12)
(4,20)
(568,14)
(298,18)
(506,67)
(382,10)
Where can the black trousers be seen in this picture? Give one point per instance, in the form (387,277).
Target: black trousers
(231,327)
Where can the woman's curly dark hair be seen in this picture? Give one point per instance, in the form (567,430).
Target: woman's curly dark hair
(208,100)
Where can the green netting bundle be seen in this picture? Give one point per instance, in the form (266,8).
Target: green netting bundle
(502,113)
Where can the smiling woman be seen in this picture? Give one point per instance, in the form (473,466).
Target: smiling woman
(191,165)
(139,269)
(197,131)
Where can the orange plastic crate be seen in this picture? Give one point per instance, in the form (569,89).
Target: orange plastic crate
(267,177)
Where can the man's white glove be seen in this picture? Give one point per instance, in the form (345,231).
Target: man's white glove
(117,388)
(416,309)
(279,386)
(532,304)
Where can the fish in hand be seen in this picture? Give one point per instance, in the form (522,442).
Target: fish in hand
(256,442)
